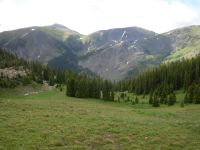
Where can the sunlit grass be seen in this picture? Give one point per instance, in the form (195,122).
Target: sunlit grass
(50,120)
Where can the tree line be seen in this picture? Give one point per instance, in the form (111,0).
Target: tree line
(34,72)
(161,82)
(84,86)
(78,85)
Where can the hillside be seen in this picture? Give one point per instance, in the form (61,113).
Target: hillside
(185,42)
(42,44)
(15,72)
(113,54)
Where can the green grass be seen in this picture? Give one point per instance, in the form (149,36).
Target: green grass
(187,52)
(50,120)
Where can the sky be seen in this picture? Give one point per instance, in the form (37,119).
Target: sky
(87,16)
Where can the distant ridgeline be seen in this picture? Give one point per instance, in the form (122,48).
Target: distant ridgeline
(161,81)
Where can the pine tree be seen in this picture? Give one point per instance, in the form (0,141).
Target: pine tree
(106,90)
(155,102)
(196,95)
(81,89)
(128,99)
(186,98)
(132,102)
(112,96)
(174,97)
(151,99)
(171,99)
(182,104)
(191,90)
(71,90)
(122,95)
(136,100)
(118,99)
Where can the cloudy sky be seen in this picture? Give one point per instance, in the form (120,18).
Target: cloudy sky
(87,16)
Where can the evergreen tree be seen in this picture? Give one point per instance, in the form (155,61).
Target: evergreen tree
(71,89)
(106,91)
(155,102)
(112,97)
(136,100)
(151,99)
(128,99)
(186,98)
(171,99)
(182,104)
(122,95)
(132,102)
(81,89)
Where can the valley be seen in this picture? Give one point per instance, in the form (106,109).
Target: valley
(125,88)
(99,75)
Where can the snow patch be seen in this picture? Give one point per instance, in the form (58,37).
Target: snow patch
(169,33)
(101,34)
(127,62)
(131,47)
(114,41)
(38,56)
(32,29)
(24,35)
(135,41)
(123,35)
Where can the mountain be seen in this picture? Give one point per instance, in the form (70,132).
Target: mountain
(110,37)
(185,42)
(113,54)
(41,44)
(116,53)
(129,56)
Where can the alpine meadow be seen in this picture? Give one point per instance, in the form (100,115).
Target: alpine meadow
(128,80)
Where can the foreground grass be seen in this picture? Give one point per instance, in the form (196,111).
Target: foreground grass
(50,120)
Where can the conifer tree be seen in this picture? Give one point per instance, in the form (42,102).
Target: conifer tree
(155,101)
(136,100)
(151,99)
(71,90)
(186,98)
(112,96)
(171,99)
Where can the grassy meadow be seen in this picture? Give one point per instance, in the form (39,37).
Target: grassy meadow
(50,120)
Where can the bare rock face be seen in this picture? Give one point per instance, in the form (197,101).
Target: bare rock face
(124,53)
(12,72)
(114,62)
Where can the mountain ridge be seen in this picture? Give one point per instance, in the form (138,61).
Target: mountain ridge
(113,54)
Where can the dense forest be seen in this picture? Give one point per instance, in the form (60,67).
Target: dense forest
(161,82)
(32,72)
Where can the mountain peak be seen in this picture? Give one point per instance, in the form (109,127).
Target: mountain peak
(59,26)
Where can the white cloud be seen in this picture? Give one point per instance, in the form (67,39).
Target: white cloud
(87,16)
